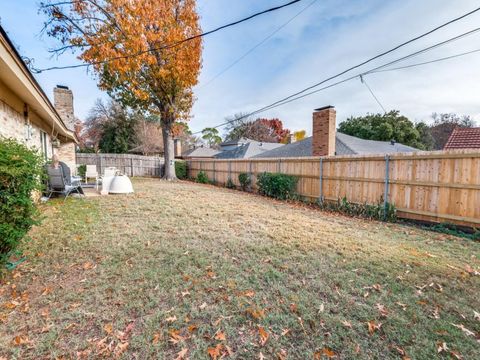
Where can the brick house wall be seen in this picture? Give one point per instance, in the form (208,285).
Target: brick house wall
(13,123)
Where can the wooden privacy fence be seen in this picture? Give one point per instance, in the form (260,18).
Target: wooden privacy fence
(131,165)
(429,186)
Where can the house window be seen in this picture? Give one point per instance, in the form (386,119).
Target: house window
(44,144)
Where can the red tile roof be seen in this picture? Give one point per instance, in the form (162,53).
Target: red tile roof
(463,138)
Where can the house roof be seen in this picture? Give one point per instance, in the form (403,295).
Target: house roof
(236,141)
(344,145)
(18,78)
(248,150)
(463,138)
(200,152)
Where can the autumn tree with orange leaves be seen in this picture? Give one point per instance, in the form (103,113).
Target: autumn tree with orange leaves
(132,46)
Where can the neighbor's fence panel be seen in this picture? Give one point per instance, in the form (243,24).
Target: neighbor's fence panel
(432,186)
(131,165)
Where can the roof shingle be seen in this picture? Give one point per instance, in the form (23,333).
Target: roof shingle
(463,138)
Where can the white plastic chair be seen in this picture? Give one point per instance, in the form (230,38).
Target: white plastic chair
(91,172)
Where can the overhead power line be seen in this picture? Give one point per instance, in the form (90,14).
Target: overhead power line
(378,56)
(371,92)
(168,46)
(252,49)
(371,71)
(428,62)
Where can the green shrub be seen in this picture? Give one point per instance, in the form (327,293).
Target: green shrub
(278,186)
(202,178)
(230,184)
(21,174)
(181,169)
(370,211)
(245,181)
(82,170)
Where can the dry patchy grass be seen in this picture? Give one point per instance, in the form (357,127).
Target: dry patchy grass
(180,270)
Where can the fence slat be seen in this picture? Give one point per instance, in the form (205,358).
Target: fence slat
(132,165)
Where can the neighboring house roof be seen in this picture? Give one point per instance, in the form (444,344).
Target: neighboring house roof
(344,145)
(249,149)
(236,141)
(200,152)
(463,138)
(18,78)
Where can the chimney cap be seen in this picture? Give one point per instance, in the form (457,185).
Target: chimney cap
(325,108)
(63,87)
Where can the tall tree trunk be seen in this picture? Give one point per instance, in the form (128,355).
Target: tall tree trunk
(168,149)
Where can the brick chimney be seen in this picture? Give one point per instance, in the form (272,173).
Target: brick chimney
(324,124)
(63,102)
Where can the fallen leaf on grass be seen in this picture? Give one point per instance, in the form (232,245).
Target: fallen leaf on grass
(249,293)
(441,347)
(347,324)
(215,352)
(263,335)
(46,329)
(285,332)
(108,328)
(261,357)
(46,291)
(329,353)
(171,319)
(464,329)
(182,354)
(121,348)
(381,308)
(156,338)
(192,328)
(20,340)
(185,293)
(220,336)
(175,336)
(88,265)
(203,306)
(476,315)
(471,271)
(456,355)
(256,313)
(372,327)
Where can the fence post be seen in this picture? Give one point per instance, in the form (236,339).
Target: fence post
(230,170)
(250,172)
(214,171)
(385,196)
(320,193)
(279,166)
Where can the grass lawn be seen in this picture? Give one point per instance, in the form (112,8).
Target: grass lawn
(180,270)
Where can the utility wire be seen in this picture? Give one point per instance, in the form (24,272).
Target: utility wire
(376,69)
(377,56)
(428,62)
(371,71)
(371,92)
(168,46)
(248,52)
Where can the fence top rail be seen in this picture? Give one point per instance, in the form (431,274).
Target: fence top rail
(420,155)
(118,156)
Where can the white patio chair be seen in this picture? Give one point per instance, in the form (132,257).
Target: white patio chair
(91,173)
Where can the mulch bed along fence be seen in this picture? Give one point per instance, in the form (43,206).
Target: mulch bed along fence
(439,186)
